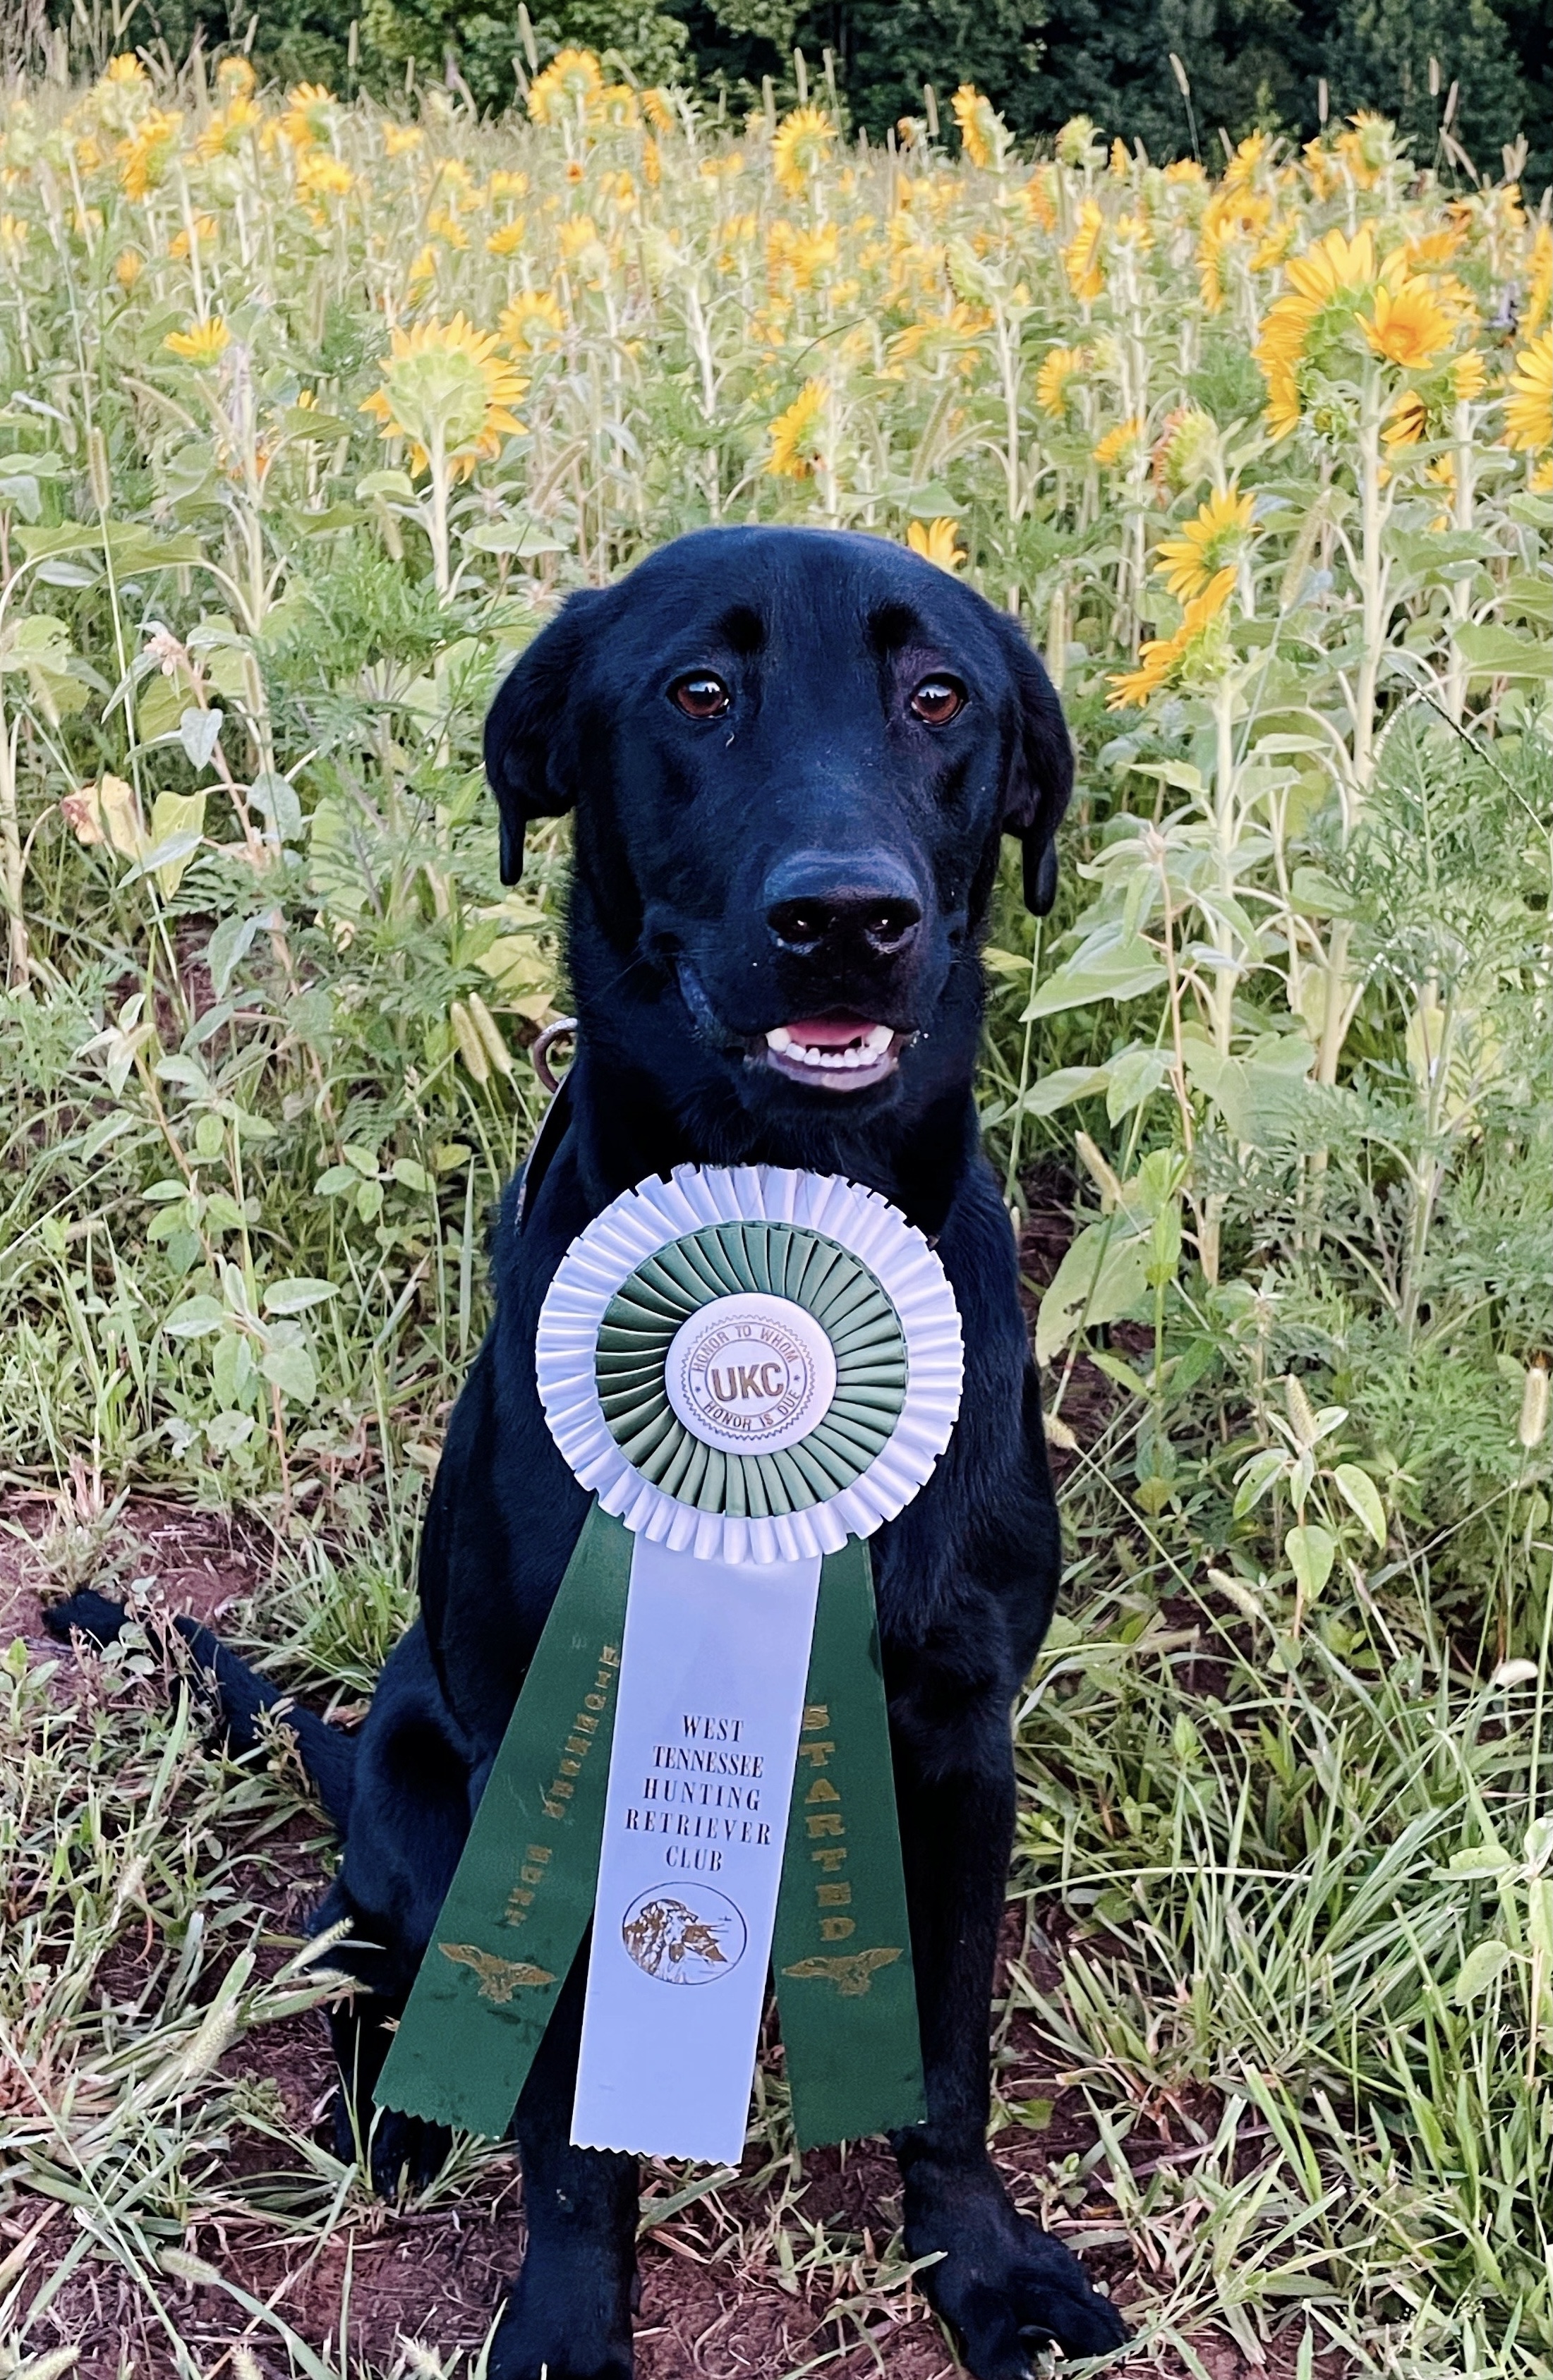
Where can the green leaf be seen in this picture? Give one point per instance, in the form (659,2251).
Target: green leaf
(1116,1369)
(1502,652)
(1311,1552)
(1059,1090)
(1102,1277)
(334,1179)
(276,797)
(290,1368)
(1482,1965)
(195,1318)
(514,537)
(199,732)
(397,484)
(1359,1491)
(1257,1478)
(411,1177)
(1102,968)
(228,946)
(296,1296)
(1134,1078)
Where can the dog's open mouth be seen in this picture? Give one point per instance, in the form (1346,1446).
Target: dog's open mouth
(837,1053)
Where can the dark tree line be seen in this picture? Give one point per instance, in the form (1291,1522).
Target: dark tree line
(1252,63)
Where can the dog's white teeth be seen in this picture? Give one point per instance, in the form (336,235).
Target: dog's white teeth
(876,1040)
(779,1038)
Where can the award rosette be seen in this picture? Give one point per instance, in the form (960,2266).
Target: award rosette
(751,1370)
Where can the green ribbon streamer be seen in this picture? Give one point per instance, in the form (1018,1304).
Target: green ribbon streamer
(522,1896)
(842,1949)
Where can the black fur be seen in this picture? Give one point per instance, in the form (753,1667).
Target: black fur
(818,777)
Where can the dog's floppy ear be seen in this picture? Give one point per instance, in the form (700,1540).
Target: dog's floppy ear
(1040,775)
(533,732)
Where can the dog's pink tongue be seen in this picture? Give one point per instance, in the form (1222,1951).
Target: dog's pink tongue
(828,1032)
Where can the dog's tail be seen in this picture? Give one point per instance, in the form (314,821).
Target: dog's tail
(328,1754)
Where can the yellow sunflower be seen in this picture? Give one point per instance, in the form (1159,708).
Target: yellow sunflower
(1162,657)
(937,541)
(535,320)
(1406,327)
(1060,366)
(975,118)
(447,386)
(1328,284)
(202,344)
(1540,292)
(1468,377)
(310,115)
(1120,446)
(1212,540)
(1529,398)
(800,146)
(569,84)
(1081,257)
(795,434)
(147,159)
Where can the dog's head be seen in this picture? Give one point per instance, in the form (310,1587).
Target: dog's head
(793,755)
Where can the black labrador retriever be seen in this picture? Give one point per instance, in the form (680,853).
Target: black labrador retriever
(792,755)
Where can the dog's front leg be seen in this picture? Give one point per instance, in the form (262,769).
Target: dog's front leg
(569,2317)
(1005,2287)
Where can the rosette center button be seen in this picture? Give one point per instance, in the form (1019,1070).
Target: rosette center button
(751,1374)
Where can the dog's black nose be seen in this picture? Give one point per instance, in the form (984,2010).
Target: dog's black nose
(864,898)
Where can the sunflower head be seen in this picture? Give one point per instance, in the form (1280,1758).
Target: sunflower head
(1082,259)
(1198,650)
(1185,450)
(1529,398)
(800,147)
(235,78)
(310,115)
(1075,140)
(1405,326)
(534,321)
(147,158)
(1212,540)
(203,344)
(567,87)
(979,126)
(1121,446)
(1368,148)
(795,434)
(448,389)
(937,541)
(1059,366)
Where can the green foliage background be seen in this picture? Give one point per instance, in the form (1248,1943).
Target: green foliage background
(1252,63)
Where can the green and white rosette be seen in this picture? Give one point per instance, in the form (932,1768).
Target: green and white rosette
(751,1369)
(686,1286)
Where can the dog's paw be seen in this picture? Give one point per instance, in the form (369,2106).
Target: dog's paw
(403,2152)
(534,2346)
(1004,2288)
(568,2316)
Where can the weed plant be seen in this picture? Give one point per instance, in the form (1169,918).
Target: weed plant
(309,415)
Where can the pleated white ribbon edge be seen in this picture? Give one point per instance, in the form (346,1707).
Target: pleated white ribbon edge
(646,1218)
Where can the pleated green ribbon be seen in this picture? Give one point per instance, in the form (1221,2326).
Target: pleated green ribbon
(522,1896)
(814,1273)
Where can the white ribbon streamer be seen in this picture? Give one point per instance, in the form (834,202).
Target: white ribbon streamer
(711,1699)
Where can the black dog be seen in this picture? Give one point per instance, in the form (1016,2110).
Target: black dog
(792,755)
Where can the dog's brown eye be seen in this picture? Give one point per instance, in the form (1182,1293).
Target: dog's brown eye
(701,696)
(937,700)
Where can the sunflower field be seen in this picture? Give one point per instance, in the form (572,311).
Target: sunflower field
(310,415)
